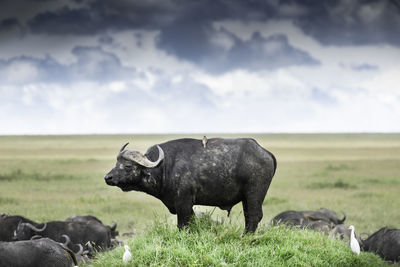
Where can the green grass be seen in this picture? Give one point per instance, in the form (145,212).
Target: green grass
(205,243)
(54,177)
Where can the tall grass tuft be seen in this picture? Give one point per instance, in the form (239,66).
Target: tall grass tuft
(207,243)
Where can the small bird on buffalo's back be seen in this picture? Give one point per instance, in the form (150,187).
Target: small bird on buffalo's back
(204,141)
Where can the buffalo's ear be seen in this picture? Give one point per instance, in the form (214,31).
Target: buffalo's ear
(123,147)
(114,226)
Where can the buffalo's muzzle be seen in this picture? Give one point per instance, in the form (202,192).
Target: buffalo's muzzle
(108,179)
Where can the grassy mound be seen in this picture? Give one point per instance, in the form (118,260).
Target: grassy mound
(205,243)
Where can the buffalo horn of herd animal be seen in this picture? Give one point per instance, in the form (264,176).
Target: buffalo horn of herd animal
(35,228)
(141,159)
(67,240)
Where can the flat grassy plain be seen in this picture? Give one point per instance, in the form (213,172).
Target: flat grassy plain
(54,177)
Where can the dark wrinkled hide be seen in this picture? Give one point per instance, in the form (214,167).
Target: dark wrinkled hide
(35,253)
(222,174)
(78,232)
(304,218)
(89,218)
(8,224)
(385,242)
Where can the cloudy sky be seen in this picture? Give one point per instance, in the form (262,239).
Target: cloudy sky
(199,66)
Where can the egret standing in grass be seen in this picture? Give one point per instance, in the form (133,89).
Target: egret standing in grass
(355,247)
(127,254)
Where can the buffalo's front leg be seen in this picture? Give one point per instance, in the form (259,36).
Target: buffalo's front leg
(184,210)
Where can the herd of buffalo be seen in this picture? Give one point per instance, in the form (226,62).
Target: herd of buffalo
(181,173)
(24,242)
(385,242)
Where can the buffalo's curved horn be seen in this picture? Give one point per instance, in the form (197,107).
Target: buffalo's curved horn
(35,228)
(67,240)
(36,237)
(123,147)
(80,252)
(114,226)
(141,159)
(344,218)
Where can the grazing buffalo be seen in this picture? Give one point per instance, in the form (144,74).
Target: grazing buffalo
(385,242)
(304,218)
(78,232)
(182,173)
(9,224)
(89,218)
(36,253)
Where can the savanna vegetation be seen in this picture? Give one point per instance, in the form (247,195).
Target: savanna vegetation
(54,177)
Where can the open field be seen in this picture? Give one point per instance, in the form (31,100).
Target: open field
(54,177)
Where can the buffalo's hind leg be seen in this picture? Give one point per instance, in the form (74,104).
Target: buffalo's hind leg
(252,209)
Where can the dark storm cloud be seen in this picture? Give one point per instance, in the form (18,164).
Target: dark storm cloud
(342,22)
(106,39)
(65,21)
(187,30)
(359,22)
(7,23)
(10,25)
(92,64)
(102,15)
(271,53)
(257,53)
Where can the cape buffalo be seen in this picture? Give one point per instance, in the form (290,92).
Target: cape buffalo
(78,232)
(385,242)
(36,253)
(90,218)
(9,224)
(182,173)
(304,218)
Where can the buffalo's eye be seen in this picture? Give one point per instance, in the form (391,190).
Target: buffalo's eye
(128,167)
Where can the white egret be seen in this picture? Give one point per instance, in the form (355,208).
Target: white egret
(127,254)
(355,247)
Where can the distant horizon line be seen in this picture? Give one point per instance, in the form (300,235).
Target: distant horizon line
(196,133)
